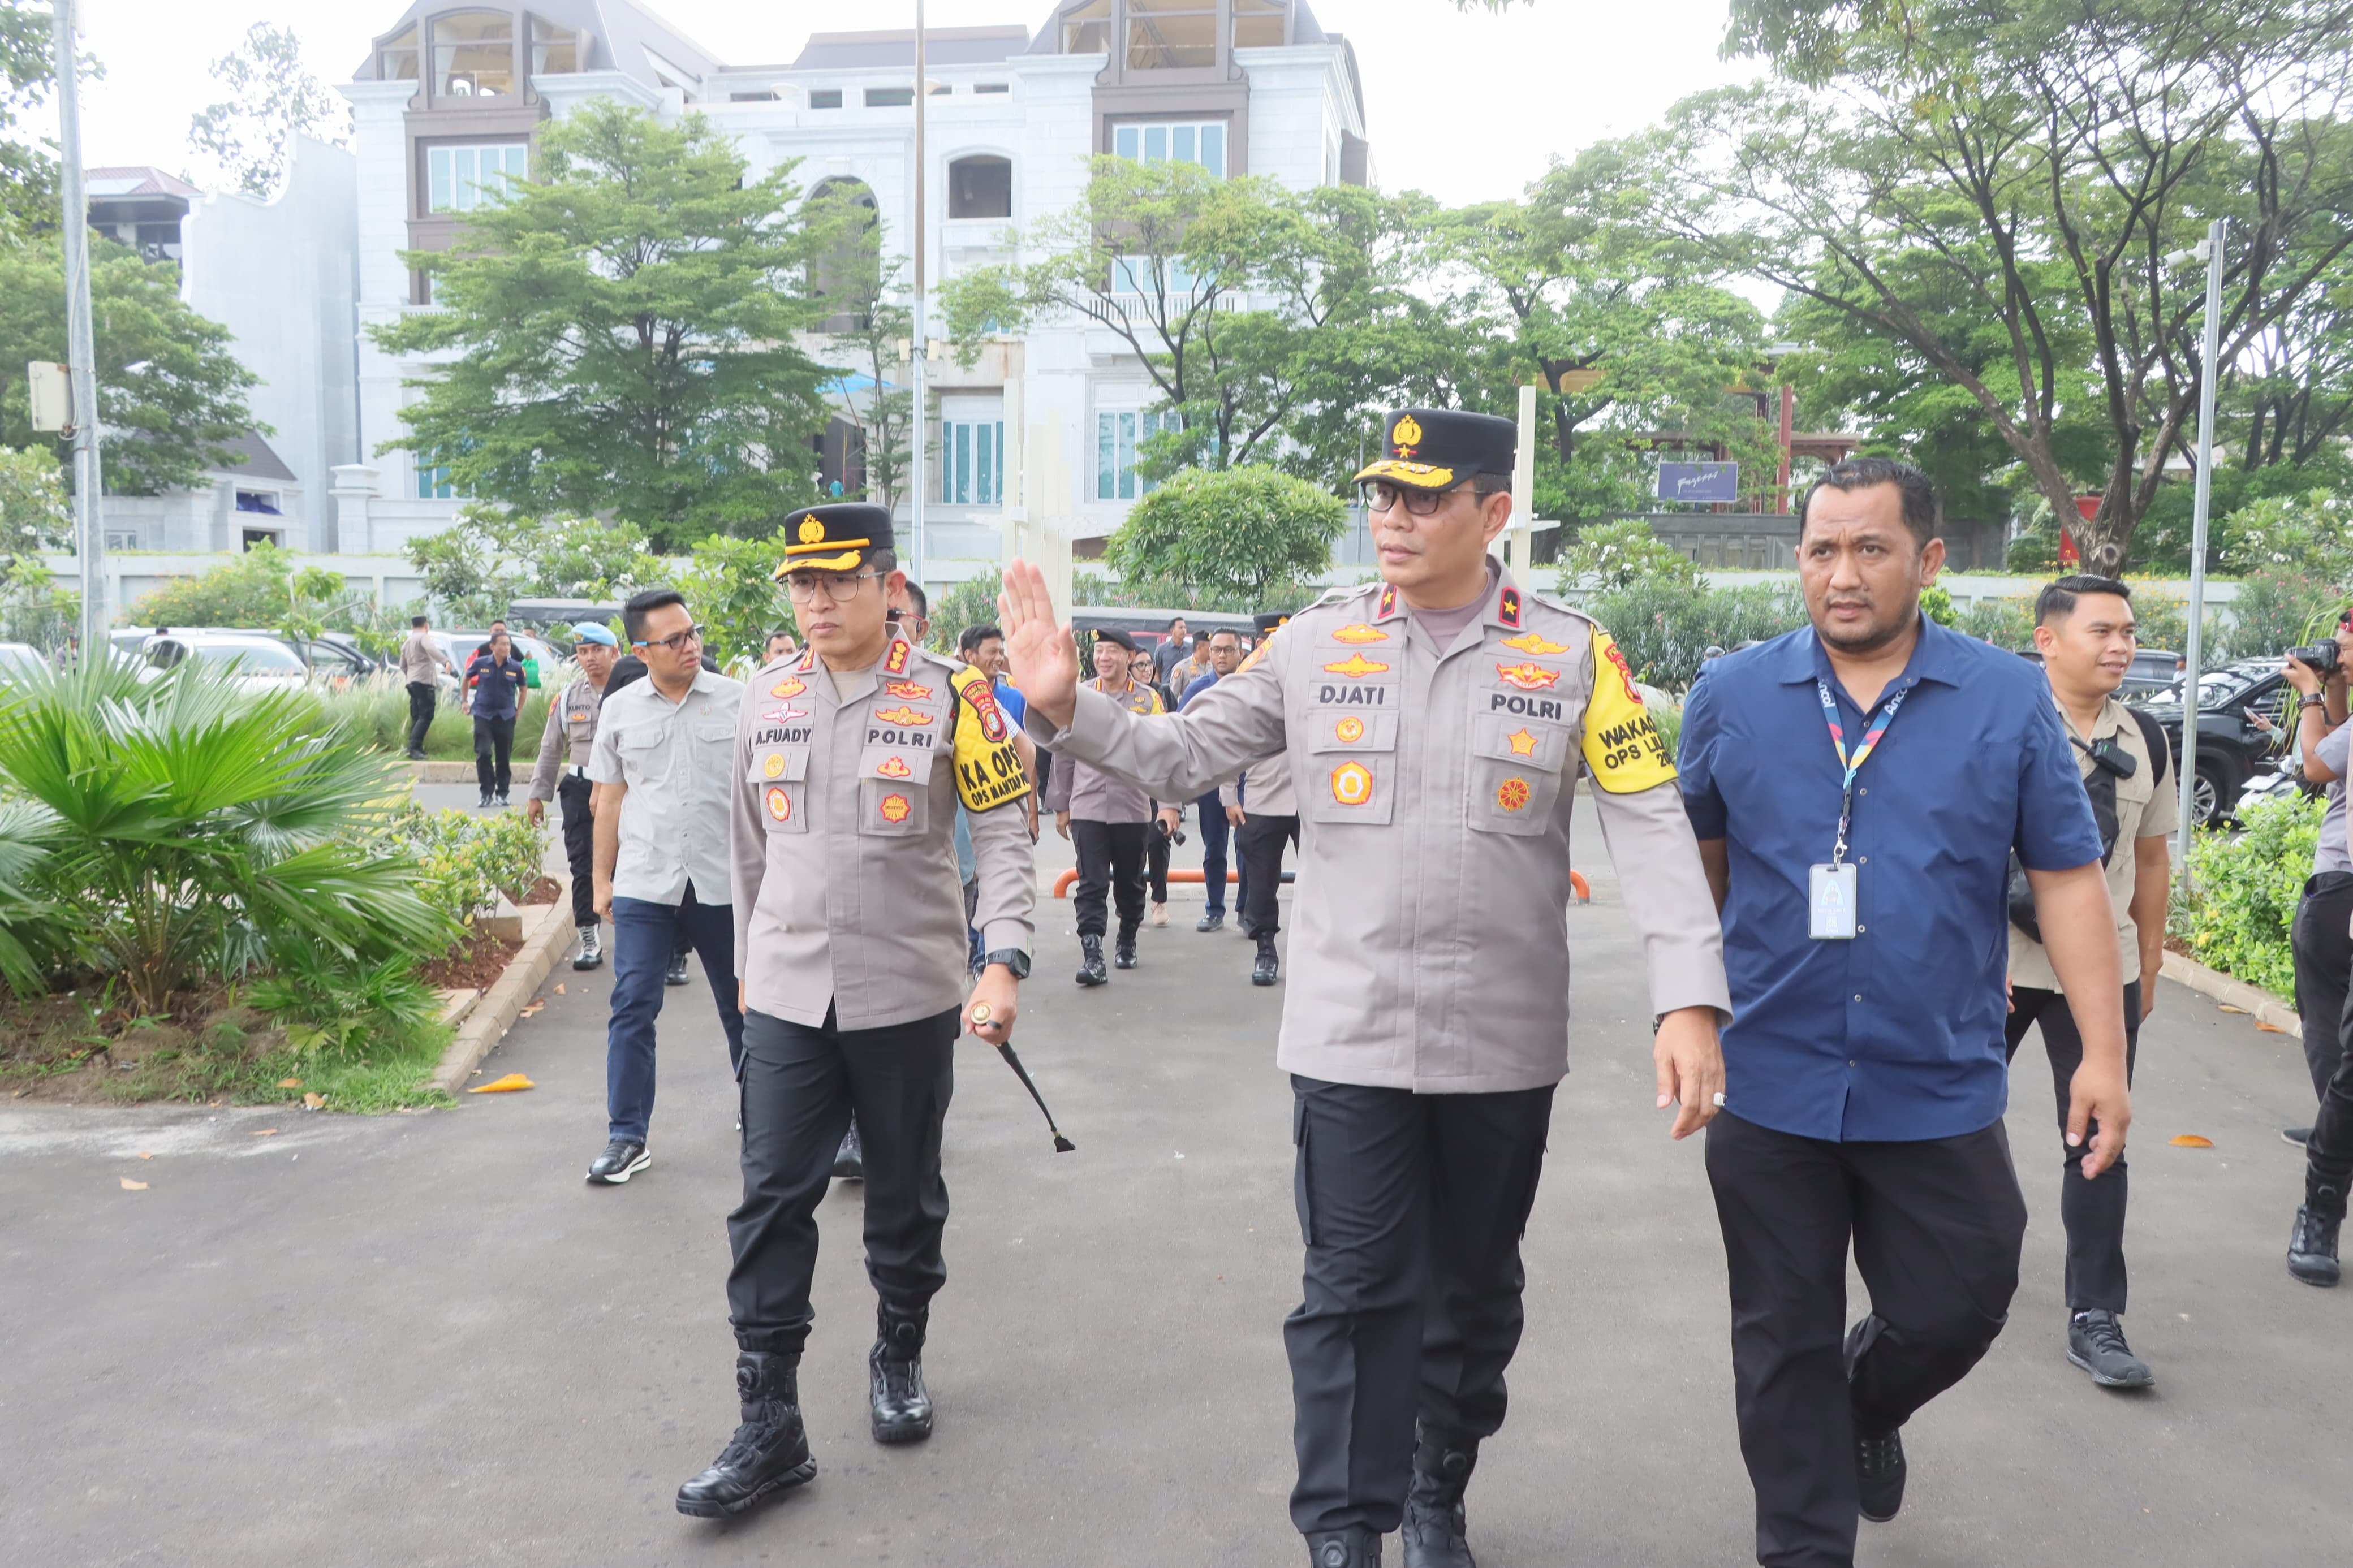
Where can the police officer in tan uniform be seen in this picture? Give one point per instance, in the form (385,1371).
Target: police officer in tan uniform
(849,763)
(562,776)
(1432,725)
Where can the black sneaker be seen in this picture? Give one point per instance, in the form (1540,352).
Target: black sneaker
(1214,920)
(2312,1247)
(502,798)
(850,1160)
(2299,1136)
(414,756)
(621,1159)
(1879,1474)
(2095,1342)
(676,973)
(483,804)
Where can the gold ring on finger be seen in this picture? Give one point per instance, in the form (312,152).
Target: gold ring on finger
(981,1013)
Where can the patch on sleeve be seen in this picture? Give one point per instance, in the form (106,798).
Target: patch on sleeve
(988,768)
(1622,748)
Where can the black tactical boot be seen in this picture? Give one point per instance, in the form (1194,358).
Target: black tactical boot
(1091,964)
(1123,956)
(1269,968)
(902,1408)
(1432,1533)
(2312,1245)
(769,1452)
(1359,1546)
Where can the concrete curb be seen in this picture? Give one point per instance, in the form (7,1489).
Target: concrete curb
(488,1021)
(2264,1007)
(440,772)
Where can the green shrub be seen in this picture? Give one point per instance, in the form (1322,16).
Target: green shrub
(2247,887)
(324,1008)
(377,716)
(1614,556)
(1664,626)
(2005,623)
(181,829)
(1239,539)
(463,862)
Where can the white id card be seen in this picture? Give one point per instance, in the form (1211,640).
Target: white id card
(1830,907)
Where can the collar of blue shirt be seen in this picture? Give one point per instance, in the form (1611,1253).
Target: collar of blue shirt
(1937,657)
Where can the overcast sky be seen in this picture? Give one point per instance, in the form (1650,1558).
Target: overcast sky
(1466,107)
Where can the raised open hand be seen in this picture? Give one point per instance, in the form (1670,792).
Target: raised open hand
(1043,661)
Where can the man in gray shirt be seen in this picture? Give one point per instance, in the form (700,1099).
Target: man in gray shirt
(2322,937)
(662,752)
(421,662)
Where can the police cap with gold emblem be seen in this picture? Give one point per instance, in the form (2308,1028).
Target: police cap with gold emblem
(838,537)
(1439,448)
(1266,621)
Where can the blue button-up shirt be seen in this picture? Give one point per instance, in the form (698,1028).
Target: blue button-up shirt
(1898,1033)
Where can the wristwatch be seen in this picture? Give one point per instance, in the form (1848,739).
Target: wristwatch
(2312,700)
(1013,958)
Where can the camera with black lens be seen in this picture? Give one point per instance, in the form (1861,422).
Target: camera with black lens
(2321,657)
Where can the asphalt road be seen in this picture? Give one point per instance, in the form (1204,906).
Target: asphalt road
(423,1340)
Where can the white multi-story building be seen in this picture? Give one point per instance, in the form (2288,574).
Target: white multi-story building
(454,93)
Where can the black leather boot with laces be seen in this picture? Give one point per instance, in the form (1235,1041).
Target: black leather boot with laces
(2312,1245)
(903,1407)
(1433,1531)
(770,1451)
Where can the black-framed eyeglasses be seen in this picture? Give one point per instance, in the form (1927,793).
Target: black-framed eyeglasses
(1380,496)
(802,588)
(676,643)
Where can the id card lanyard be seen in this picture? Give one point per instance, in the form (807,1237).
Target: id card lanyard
(1832,911)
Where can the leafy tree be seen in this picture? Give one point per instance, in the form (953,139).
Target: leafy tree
(273,98)
(971,603)
(1626,330)
(731,586)
(1241,538)
(619,335)
(1666,628)
(170,393)
(2310,534)
(867,290)
(1615,555)
(259,589)
(28,170)
(489,557)
(33,512)
(2040,161)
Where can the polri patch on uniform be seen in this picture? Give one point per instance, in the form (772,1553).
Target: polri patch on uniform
(790,686)
(1535,643)
(1356,664)
(783,713)
(1622,748)
(780,802)
(895,808)
(775,766)
(1350,730)
(1512,793)
(914,691)
(893,768)
(988,768)
(902,714)
(1360,633)
(1526,676)
(1352,784)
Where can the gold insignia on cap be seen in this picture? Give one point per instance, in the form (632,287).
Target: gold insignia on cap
(812,532)
(1406,434)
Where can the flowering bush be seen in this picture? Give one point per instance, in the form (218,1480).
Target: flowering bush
(2238,920)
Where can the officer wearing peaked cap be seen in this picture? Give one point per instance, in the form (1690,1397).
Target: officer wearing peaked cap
(1431,724)
(851,760)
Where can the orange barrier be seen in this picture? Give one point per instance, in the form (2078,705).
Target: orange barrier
(1577,882)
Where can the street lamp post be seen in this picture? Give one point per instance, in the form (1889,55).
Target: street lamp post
(2209,251)
(81,350)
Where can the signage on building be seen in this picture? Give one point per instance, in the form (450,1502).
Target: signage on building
(1698,481)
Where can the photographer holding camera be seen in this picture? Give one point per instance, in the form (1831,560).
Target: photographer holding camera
(2322,937)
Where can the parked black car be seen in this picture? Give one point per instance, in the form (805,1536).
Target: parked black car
(2232,748)
(2153,670)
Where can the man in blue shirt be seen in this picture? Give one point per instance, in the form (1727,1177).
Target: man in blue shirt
(1857,789)
(1225,658)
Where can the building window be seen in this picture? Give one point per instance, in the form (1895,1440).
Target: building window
(1258,24)
(890,97)
(395,60)
(473,54)
(258,500)
(1201,141)
(825,98)
(1171,35)
(1134,275)
(1116,435)
(122,539)
(992,87)
(459,179)
(972,462)
(981,187)
(433,484)
(751,98)
(1087,30)
(554,51)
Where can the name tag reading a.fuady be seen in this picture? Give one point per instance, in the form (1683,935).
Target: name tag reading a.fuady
(1830,906)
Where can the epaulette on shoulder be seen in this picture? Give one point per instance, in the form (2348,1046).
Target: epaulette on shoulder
(1335,596)
(1549,603)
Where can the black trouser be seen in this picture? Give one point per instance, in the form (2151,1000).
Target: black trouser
(1936,1227)
(1111,860)
(2324,965)
(580,846)
(1157,845)
(421,696)
(1411,1206)
(1260,840)
(2093,1211)
(494,752)
(800,1085)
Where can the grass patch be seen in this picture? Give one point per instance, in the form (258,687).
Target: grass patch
(210,1049)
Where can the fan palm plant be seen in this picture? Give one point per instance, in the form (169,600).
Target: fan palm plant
(181,826)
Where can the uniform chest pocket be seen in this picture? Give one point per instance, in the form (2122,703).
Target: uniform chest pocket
(889,809)
(787,764)
(1346,789)
(1339,730)
(896,764)
(782,807)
